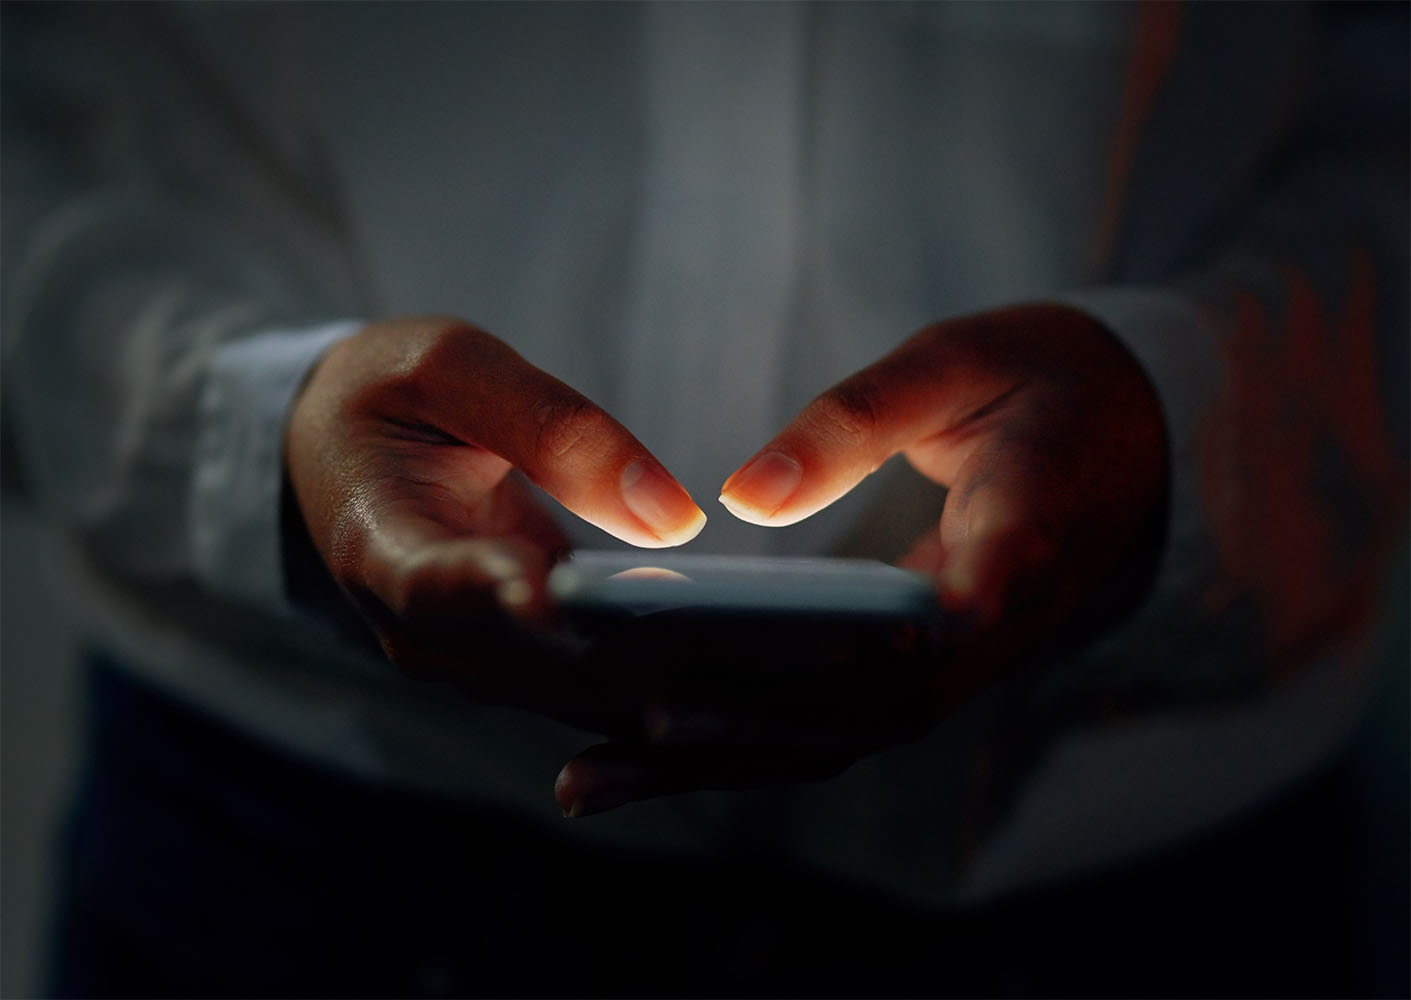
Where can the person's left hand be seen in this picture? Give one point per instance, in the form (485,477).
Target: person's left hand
(1051,442)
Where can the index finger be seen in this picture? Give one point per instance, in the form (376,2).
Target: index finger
(924,391)
(479,390)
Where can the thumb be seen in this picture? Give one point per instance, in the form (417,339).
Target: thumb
(1001,554)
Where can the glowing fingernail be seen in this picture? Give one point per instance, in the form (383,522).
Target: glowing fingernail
(660,504)
(757,491)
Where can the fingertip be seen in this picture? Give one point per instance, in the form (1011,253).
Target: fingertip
(588,785)
(956,588)
(565,792)
(759,492)
(658,501)
(663,538)
(745,513)
(687,531)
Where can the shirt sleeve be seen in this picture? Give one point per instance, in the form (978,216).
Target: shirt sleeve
(238,470)
(1278,351)
(169,280)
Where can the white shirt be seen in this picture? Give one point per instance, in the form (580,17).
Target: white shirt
(701,216)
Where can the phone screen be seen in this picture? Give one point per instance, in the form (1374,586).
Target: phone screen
(594,587)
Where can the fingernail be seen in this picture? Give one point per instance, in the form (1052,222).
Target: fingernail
(602,786)
(758,490)
(589,805)
(518,600)
(966,609)
(494,561)
(515,595)
(660,504)
(957,596)
(957,584)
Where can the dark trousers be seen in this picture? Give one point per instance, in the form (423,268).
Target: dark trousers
(201,864)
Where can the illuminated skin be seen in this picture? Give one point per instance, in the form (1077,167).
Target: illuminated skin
(1041,425)
(399,449)
(1052,443)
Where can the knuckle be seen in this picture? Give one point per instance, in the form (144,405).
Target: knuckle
(566,424)
(424,337)
(411,360)
(850,411)
(450,345)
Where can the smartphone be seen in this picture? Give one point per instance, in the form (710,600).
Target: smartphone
(599,591)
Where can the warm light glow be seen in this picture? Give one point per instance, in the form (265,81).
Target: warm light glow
(650,573)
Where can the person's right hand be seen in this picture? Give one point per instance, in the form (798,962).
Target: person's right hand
(399,450)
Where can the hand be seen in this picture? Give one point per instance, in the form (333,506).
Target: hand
(399,450)
(1052,445)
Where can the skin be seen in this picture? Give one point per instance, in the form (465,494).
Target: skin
(400,448)
(1045,430)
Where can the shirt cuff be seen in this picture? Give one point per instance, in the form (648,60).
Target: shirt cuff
(239,463)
